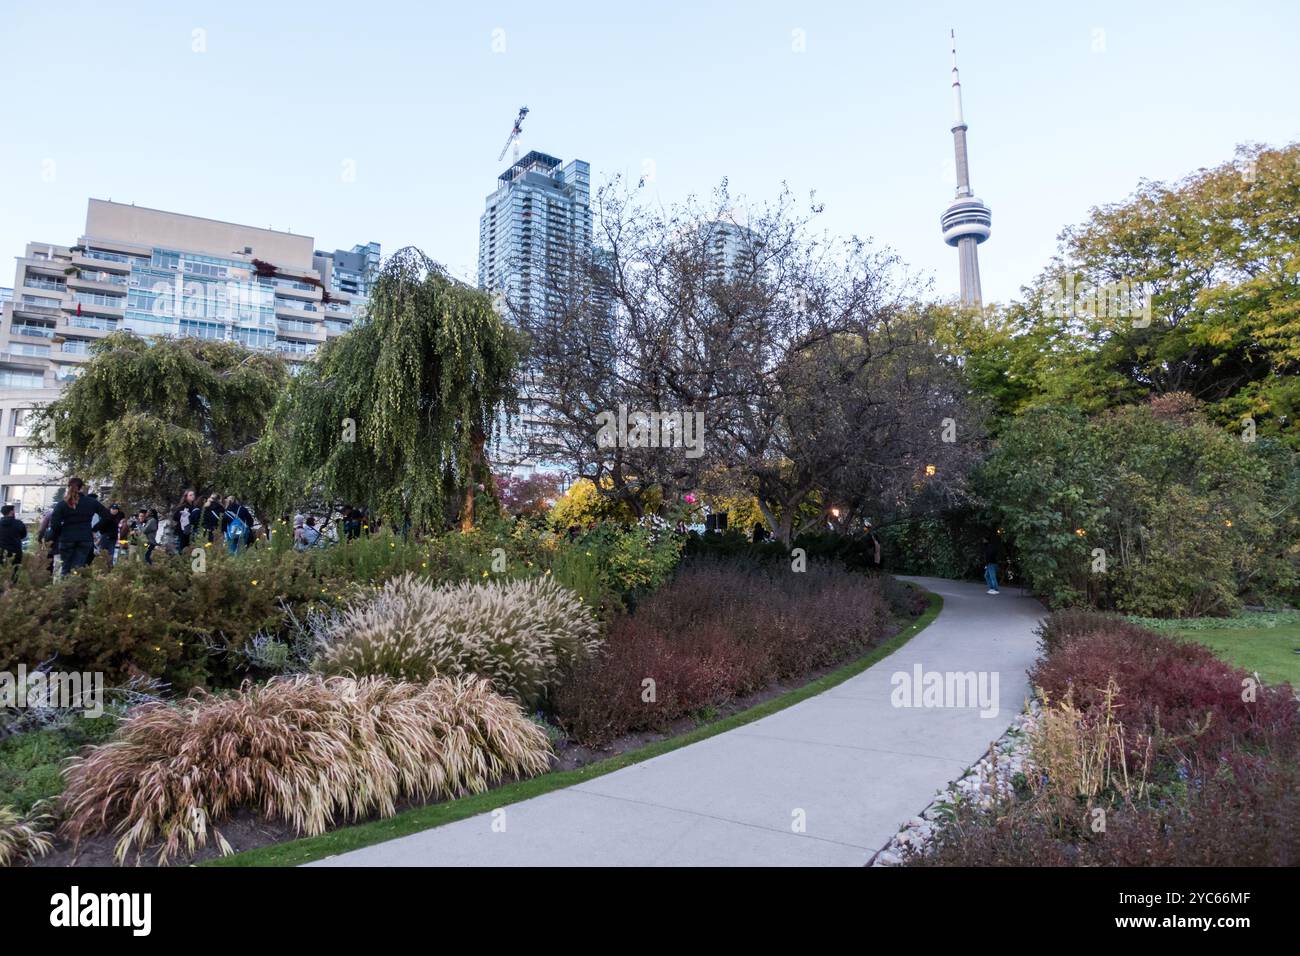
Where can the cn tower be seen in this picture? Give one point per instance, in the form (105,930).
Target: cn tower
(967,221)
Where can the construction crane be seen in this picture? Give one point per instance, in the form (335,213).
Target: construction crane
(514,134)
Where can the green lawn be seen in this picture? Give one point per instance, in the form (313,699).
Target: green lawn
(1267,651)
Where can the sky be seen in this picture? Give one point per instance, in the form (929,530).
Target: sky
(382,121)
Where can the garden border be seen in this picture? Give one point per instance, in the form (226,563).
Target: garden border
(417,819)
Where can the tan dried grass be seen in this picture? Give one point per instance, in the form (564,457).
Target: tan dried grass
(516,633)
(307,750)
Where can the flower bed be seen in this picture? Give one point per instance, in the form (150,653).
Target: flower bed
(1146,752)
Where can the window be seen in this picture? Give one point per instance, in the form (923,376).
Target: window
(24,348)
(202,330)
(255,338)
(24,461)
(30,499)
(15,379)
(20,424)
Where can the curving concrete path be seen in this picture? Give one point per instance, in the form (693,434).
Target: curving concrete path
(847,763)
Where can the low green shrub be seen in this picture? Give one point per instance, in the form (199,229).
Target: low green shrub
(1246,621)
(31,763)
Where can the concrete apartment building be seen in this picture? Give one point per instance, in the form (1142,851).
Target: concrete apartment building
(535,229)
(534,226)
(156,273)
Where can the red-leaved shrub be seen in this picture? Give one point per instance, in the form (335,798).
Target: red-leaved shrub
(714,633)
(1194,704)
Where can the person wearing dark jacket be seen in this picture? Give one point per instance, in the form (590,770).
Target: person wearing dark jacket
(42,534)
(234,510)
(12,533)
(110,532)
(70,525)
(186,519)
(211,518)
(148,522)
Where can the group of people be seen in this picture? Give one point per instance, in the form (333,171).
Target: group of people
(80,526)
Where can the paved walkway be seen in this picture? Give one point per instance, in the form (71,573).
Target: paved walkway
(851,764)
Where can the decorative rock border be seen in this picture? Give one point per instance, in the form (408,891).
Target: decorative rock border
(984,781)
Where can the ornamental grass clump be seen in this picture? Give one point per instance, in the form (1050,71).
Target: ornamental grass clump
(307,750)
(518,634)
(23,837)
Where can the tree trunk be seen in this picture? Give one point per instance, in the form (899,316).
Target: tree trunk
(474,473)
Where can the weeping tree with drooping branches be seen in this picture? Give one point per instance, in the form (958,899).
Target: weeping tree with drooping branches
(395,415)
(156,416)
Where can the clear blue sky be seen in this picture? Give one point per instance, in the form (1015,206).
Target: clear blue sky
(257,128)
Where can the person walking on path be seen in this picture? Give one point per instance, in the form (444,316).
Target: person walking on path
(873,547)
(70,525)
(166,537)
(992,554)
(12,533)
(305,534)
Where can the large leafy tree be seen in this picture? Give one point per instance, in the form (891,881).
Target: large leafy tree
(1187,517)
(157,416)
(1219,252)
(395,414)
(798,350)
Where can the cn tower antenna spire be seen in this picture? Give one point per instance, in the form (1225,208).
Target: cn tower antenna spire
(966,222)
(958,119)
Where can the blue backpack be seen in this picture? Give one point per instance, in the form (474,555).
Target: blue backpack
(236,530)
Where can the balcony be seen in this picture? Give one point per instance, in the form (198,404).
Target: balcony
(41,311)
(293,288)
(295,348)
(301,331)
(34,280)
(95,260)
(91,323)
(33,331)
(95,302)
(29,350)
(97,279)
(296,306)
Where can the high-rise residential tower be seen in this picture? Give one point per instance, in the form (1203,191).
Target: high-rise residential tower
(536,227)
(534,236)
(729,247)
(967,221)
